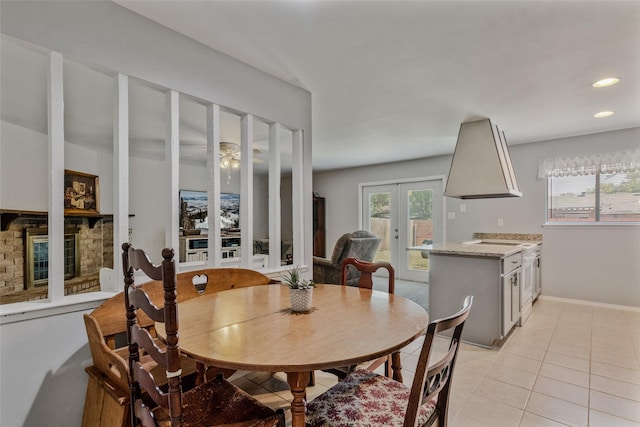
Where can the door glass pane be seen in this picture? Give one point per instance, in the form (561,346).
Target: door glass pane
(379,222)
(420,226)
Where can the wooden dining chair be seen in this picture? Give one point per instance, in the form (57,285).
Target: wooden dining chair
(214,403)
(366,270)
(365,398)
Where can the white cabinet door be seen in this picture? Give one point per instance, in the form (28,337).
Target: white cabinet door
(506,306)
(516,309)
(510,300)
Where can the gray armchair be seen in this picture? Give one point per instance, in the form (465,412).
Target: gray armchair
(360,244)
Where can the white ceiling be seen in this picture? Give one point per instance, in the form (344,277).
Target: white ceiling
(392,80)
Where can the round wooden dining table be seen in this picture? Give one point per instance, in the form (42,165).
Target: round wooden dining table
(254,329)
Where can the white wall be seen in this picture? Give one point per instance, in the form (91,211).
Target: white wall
(42,379)
(593,264)
(43,382)
(26,150)
(597,264)
(22,149)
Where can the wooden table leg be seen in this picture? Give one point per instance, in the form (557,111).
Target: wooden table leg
(298,382)
(396,366)
(200,372)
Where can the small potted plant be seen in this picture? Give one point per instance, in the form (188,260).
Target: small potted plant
(300,290)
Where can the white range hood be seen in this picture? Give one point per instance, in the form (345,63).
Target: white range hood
(481,167)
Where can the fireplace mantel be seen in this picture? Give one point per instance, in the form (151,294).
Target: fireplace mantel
(7,216)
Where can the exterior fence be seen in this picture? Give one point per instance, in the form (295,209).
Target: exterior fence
(421,229)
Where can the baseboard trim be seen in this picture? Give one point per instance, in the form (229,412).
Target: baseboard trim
(591,303)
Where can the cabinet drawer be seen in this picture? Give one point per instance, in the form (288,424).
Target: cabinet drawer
(511,262)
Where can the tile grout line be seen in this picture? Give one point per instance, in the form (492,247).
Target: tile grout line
(546,350)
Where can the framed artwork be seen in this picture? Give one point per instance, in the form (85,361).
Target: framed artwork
(81,193)
(230,212)
(194,213)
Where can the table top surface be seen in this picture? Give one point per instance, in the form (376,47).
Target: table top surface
(254,328)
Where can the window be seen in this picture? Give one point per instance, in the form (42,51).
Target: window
(603,188)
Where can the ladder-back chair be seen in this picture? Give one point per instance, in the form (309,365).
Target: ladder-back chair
(214,403)
(365,398)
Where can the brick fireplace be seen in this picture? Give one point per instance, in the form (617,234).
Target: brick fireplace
(88,247)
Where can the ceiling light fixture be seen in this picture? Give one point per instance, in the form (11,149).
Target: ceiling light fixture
(609,81)
(602,114)
(230,157)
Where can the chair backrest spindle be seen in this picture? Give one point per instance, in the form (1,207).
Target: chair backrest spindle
(169,358)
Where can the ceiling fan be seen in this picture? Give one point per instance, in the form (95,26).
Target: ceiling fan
(230,155)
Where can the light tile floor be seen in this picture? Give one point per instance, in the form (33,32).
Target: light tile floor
(570,364)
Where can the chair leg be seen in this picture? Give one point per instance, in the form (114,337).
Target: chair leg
(396,366)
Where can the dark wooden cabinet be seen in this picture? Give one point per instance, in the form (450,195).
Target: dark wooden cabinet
(319,243)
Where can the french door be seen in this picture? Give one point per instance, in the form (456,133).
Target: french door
(404,215)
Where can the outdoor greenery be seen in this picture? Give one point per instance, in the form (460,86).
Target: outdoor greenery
(379,205)
(419,204)
(630,184)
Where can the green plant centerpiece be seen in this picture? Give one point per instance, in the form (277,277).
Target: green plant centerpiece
(300,290)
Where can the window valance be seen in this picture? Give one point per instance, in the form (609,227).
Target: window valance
(621,161)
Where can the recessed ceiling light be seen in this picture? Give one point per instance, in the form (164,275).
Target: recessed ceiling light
(610,81)
(603,114)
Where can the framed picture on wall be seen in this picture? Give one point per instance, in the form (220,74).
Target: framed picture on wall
(230,212)
(81,193)
(194,215)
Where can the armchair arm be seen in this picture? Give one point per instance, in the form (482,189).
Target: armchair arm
(324,262)
(324,271)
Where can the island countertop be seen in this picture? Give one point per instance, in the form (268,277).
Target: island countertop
(496,250)
(492,245)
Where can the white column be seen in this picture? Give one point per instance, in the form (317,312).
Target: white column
(213,184)
(172,162)
(120,177)
(246,190)
(55,100)
(275,203)
(297,180)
